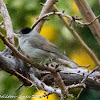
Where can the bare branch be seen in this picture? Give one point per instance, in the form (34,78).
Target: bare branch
(88,23)
(79,93)
(49,14)
(46,8)
(7,22)
(76,85)
(63,15)
(61,85)
(89,16)
(44,86)
(75,74)
(10,64)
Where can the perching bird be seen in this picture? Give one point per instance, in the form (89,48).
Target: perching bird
(40,49)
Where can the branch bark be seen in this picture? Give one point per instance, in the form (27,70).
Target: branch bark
(74,76)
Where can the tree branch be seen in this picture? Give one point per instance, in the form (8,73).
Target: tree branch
(88,14)
(46,8)
(10,65)
(75,76)
(44,86)
(7,22)
(63,15)
(70,76)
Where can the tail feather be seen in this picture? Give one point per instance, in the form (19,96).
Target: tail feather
(66,61)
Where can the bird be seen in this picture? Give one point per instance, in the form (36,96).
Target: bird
(40,49)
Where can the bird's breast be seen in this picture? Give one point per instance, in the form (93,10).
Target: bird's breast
(35,52)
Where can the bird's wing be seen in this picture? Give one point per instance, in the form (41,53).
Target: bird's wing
(42,43)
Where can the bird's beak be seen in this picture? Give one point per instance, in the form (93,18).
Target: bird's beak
(17,35)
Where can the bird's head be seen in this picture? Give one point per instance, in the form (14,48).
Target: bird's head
(23,31)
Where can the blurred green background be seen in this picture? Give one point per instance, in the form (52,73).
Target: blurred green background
(23,13)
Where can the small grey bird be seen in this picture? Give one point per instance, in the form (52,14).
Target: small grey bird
(40,49)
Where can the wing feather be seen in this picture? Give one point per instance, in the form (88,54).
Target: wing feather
(42,43)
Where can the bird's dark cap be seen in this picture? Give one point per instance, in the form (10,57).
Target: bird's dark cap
(25,30)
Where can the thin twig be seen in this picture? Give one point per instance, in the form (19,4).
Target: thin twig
(76,85)
(88,23)
(26,79)
(49,14)
(19,87)
(79,93)
(63,15)
(84,79)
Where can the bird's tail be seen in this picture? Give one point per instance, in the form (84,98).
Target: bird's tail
(66,61)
